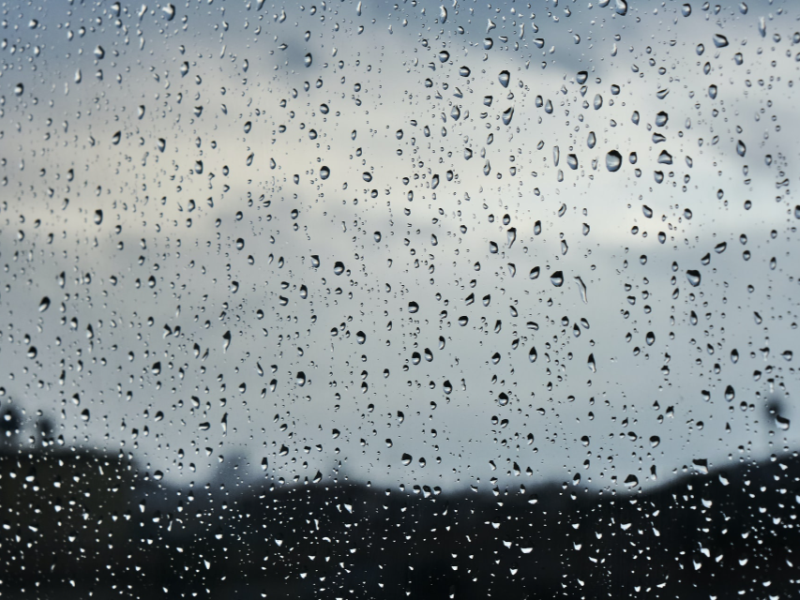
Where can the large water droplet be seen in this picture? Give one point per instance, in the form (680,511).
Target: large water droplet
(694,277)
(504,78)
(720,41)
(613,161)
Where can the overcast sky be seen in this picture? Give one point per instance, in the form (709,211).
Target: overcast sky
(319,233)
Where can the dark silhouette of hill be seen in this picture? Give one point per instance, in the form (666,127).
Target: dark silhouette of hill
(85,522)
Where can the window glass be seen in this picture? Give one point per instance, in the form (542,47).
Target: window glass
(355,299)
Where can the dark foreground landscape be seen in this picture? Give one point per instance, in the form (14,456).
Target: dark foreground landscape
(84,524)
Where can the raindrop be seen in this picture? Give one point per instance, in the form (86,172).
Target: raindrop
(572,161)
(582,289)
(694,277)
(613,161)
(511,236)
(504,78)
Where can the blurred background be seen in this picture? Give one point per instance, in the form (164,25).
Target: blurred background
(370,299)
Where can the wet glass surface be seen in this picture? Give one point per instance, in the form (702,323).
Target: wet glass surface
(398,299)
